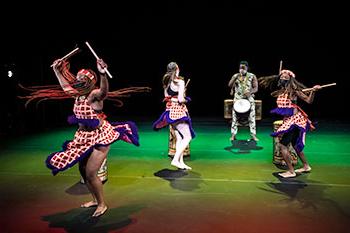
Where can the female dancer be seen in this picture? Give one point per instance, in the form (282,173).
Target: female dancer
(295,121)
(95,134)
(176,113)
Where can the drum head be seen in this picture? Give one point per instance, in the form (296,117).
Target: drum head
(241,106)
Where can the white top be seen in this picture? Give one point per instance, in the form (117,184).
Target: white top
(177,85)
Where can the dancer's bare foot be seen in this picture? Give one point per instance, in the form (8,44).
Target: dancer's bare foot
(177,164)
(303,169)
(186,167)
(100,210)
(89,204)
(287,174)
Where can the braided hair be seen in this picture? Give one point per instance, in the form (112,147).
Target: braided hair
(274,80)
(83,83)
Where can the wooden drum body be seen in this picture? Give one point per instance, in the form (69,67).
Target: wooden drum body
(172,144)
(277,155)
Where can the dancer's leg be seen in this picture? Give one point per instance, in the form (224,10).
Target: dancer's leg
(82,170)
(183,138)
(287,157)
(93,165)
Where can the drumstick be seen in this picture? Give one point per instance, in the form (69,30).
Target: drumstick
(327,85)
(280,67)
(187,82)
(93,52)
(71,53)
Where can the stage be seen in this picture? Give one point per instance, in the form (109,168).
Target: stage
(232,188)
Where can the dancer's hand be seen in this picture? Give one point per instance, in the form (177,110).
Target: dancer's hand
(57,63)
(316,87)
(101,66)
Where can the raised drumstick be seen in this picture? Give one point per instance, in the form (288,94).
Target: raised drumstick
(93,52)
(327,85)
(280,67)
(187,82)
(71,53)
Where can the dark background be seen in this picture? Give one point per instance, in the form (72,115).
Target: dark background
(206,38)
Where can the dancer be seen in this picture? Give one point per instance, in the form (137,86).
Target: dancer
(176,113)
(243,86)
(95,134)
(295,121)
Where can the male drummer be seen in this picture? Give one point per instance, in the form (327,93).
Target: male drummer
(243,86)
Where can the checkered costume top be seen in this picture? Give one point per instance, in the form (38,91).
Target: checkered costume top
(294,116)
(174,112)
(84,142)
(83,110)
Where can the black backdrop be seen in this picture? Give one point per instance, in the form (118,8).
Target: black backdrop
(206,38)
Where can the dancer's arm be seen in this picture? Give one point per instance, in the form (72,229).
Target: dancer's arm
(308,98)
(102,92)
(181,93)
(57,67)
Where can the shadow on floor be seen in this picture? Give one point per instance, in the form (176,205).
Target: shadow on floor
(243,146)
(80,220)
(181,179)
(77,189)
(310,194)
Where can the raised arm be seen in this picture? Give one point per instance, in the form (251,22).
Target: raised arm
(58,67)
(310,97)
(102,92)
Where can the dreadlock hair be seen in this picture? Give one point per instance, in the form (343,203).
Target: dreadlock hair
(42,93)
(292,87)
(272,80)
(268,81)
(49,92)
(170,74)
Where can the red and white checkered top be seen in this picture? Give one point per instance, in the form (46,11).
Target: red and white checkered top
(83,110)
(299,118)
(284,102)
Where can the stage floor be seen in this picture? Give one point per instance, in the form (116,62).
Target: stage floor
(228,190)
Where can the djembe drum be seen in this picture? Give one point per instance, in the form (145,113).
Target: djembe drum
(277,155)
(172,144)
(228,105)
(242,110)
(102,173)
